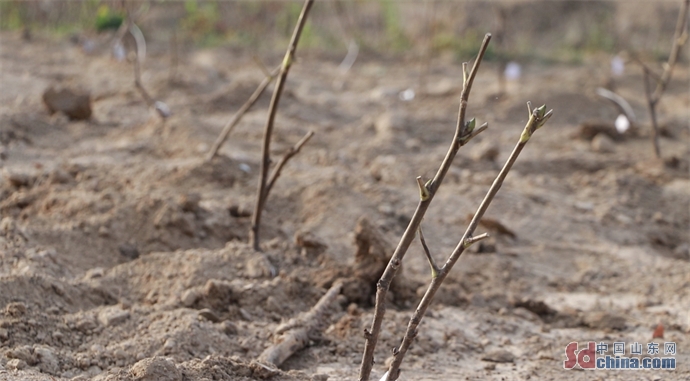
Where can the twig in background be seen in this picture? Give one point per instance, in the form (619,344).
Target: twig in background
(343,26)
(680,36)
(261,193)
(174,57)
(140,54)
(537,118)
(230,125)
(623,107)
(295,334)
(464,132)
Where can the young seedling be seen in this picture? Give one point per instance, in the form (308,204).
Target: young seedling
(537,118)
(464,132)
(653,96)
(265,183)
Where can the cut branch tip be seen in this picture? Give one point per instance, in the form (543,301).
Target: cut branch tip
(427,253)
(477,238)
(423,190)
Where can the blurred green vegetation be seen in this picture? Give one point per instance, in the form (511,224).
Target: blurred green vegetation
(464,47)
(106,18)
(564,31)
(201,22)
(394,32)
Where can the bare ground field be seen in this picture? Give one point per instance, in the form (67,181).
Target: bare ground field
(123,255)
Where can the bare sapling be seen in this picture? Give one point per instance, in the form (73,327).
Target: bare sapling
(464,132)
(264,183)
(230,125)
(654,94)
(537,118)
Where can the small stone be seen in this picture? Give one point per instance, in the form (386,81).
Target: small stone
(98,349)
(59,176)
(96,272)
(309,240)
(169,344)
(128,250)
(19,179)
(16,364)
(319,377)
(4,335)
(585,206)
(86,324)
(262,371)
(190,297)
(103,231)
(682,251)
(259,266)
(94,370)
(8,226)
(22,353)
(229,328)
(413,144)
(537,307)
(491,366)
(76,104)
(500,356)
(120,354)
(603,143)
(15,309)
(48,363)
(83,361)
(239,211)
(605,321)
(113,316)
(189,202)
(57,335)
(209,315)
(155,369)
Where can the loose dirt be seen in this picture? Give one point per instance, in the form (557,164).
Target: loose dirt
(123,254)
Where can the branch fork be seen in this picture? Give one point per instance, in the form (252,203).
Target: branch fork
(427,192)
(463,133)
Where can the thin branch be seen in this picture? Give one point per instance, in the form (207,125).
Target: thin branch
(620,103)
(679,37)
(268,131)
(651,103)
(230,125)
(288,155)
(472,240)
(174,57)
(432,263)
(295,333)
(537,118)
(651,72)
(384,283)
(129,26)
